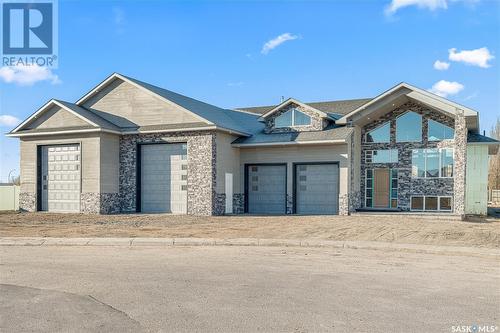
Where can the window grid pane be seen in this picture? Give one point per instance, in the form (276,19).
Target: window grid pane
(409,127)
(284,120)
(301,119)
(380,134)
(437,131)
(417,203)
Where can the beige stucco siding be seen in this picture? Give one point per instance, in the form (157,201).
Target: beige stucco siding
(90,159)
(110,163)
(127,106)
(303,153)
(57,117)
(228,161)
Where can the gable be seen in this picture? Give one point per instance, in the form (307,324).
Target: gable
(126,105)
(404,93)
(56,117)
(317,122)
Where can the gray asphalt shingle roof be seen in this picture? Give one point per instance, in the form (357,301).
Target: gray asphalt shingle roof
(478,138)
(330,133)
(229,119)
(331,107)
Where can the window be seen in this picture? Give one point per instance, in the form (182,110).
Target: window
(445,203)
(301,119)
(417,203)
(369,188)
(437,131)
(381,156)
(292,118)
(431,203)
(432,163)
(380,134)
(394,188)
(418,163)
(284,120)
(409,127)
(446,163)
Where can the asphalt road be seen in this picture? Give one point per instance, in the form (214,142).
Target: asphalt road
(243,289)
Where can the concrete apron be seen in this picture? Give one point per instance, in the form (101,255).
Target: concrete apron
(317,243)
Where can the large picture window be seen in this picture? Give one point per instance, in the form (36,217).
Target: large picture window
(432,163)
(380,134)
(409,127)
(292,118)
(437,131)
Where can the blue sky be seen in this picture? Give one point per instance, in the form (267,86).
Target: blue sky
(214,51)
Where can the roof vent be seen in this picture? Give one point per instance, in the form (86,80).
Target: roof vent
(282,99)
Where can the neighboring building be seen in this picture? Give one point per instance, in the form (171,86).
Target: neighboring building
(129,146)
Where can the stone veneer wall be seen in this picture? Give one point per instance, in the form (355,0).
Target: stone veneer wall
(238,203)
(317,123)
(354,196)
(110,203)
(460,159)
(202,199)
(407,185)
(27,201)
(90,203)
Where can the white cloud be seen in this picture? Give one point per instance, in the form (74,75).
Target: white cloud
(478,57)
(275,42)
(27,75)
(7,120)
(431,5)
(441,65)
(395,5)
(444,88)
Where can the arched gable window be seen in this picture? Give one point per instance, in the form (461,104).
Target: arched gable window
(292,118)
(437,131)
(380,134)
(409,127)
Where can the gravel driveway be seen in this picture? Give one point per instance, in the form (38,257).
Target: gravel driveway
(400,229)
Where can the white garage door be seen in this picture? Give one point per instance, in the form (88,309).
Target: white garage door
(317,188)
(164,178)
(267,189)
(61,178)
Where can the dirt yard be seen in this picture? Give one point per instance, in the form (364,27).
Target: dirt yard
(407,229)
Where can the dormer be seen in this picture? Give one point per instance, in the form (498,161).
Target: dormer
(294,116)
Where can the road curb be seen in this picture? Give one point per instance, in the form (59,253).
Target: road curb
(317,243)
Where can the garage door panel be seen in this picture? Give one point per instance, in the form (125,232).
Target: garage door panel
(61,178)
(163,187)
(267,189)
(317,188)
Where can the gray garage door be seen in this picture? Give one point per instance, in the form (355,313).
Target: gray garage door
(317,188)
(267,189)
(61,178)
(164,178)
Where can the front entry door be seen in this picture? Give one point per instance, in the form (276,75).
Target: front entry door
(382,188)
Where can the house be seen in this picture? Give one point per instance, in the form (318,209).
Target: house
(128,146)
